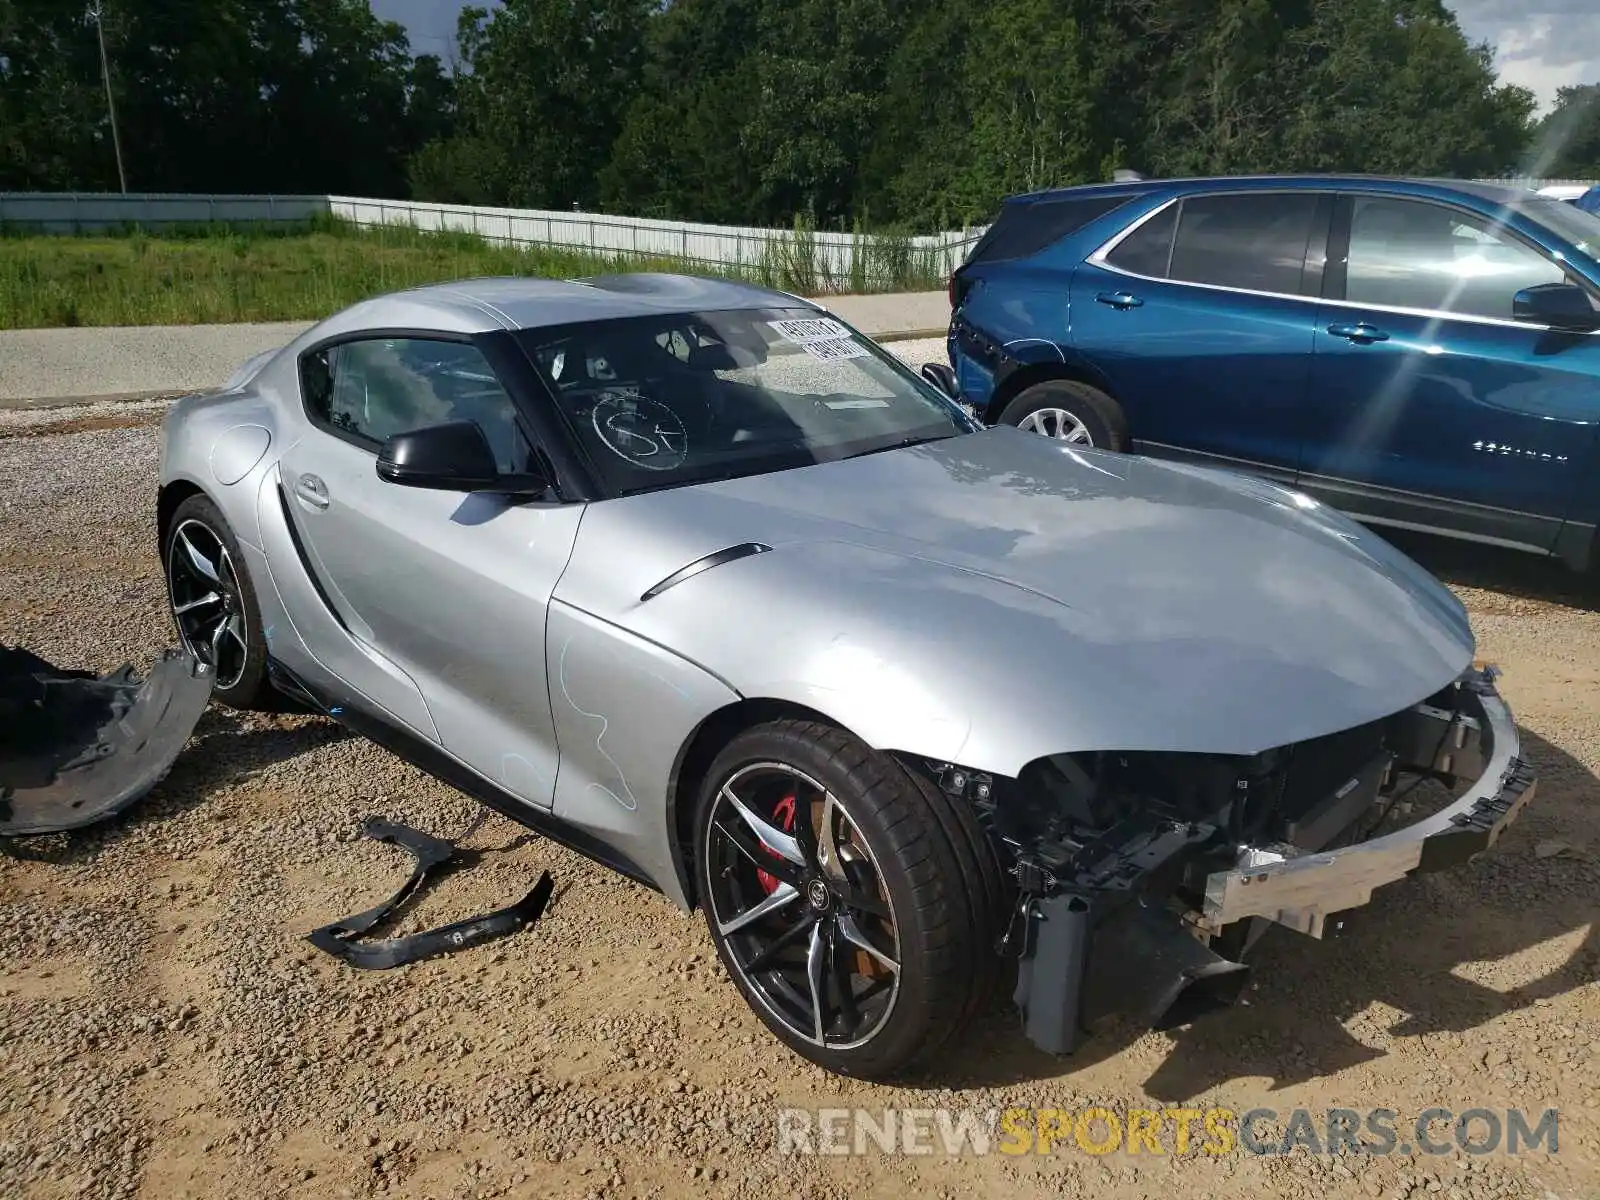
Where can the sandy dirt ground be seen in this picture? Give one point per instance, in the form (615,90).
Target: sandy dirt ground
(166,1031)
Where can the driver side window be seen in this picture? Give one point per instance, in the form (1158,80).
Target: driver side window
(367,391)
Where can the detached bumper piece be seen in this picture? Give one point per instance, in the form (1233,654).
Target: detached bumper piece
(434,857)
(76,748)
(1147,918)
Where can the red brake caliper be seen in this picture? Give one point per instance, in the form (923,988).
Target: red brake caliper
(783,814)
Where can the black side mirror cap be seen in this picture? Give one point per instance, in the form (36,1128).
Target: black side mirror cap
(943,378)
(1564,306)
(453,456)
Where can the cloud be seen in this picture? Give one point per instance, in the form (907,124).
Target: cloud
(430,24)
(1540,44)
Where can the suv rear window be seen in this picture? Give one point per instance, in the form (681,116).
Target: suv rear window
(1024,229)
(1252,240)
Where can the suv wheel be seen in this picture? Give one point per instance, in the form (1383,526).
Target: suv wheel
(1069,411)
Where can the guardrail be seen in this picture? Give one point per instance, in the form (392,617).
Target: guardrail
(78,212)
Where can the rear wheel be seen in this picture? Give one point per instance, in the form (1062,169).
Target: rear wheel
(839,899)
(1069,411)
(213,602)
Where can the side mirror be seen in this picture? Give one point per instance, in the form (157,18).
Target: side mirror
(450,457)
(943,378)
(1563,306)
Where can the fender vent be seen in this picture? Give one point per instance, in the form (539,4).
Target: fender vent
(715,559)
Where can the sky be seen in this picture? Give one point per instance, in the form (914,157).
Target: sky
(1541,44)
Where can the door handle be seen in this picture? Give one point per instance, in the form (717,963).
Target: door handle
(1119,300)
(1362,334)
(312,491)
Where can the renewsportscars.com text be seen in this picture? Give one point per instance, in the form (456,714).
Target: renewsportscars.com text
(1159,1131)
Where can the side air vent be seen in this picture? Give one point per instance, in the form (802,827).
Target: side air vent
(715,559)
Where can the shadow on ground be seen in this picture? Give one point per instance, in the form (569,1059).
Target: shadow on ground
(1400,951)
(1510,572)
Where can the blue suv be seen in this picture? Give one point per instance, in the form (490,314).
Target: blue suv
(1421,354)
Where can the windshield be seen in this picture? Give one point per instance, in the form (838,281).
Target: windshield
(678,398)
(1570,222)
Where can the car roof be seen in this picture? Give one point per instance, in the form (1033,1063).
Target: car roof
(1494,193)
(470,306)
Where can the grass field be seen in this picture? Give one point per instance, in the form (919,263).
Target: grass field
(207,274)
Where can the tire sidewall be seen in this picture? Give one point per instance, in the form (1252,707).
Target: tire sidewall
(1079,400)
(252,689)
(903,1034)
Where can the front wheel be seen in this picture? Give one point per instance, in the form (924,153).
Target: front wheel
(854,908)
(1069,411)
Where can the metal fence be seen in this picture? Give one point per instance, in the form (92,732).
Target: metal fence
(836,257)
(1534,183)
(835,260)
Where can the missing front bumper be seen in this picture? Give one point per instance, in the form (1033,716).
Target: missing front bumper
(1086,952)
(1468,734)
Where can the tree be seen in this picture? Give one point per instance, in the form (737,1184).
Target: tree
(819,73)
(1402,67)
(1568,140)
(679,153)
(54,132)
(543,99)
(916,114)
(211,95)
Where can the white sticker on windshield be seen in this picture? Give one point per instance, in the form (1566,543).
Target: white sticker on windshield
(801,331)
(833,349)
(855,404)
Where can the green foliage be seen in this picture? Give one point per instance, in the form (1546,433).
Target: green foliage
(209,273)
(901,115)
(214,96)
(1568,142)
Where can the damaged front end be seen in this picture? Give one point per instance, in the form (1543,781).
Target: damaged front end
(1142,878)
(76,748)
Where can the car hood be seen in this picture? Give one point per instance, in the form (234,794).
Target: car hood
(1092,600)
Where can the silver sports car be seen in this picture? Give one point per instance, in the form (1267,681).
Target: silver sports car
(694,578)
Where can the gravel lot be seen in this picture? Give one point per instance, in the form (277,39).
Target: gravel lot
(165,1031)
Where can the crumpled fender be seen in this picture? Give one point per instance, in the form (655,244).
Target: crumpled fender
(76,748)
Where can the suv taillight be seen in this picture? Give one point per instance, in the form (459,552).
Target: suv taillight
(956,290)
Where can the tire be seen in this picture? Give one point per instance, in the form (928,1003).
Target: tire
(900,902)
(200,558)
(1096,419)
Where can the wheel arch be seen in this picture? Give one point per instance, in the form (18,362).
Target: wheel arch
(694,759)
(1026,375)
(168,499)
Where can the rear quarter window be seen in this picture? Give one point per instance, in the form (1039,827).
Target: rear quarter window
(1026,229)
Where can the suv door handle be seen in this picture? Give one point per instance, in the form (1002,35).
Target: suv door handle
(310,490)
(1362,334)
(1119,300)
